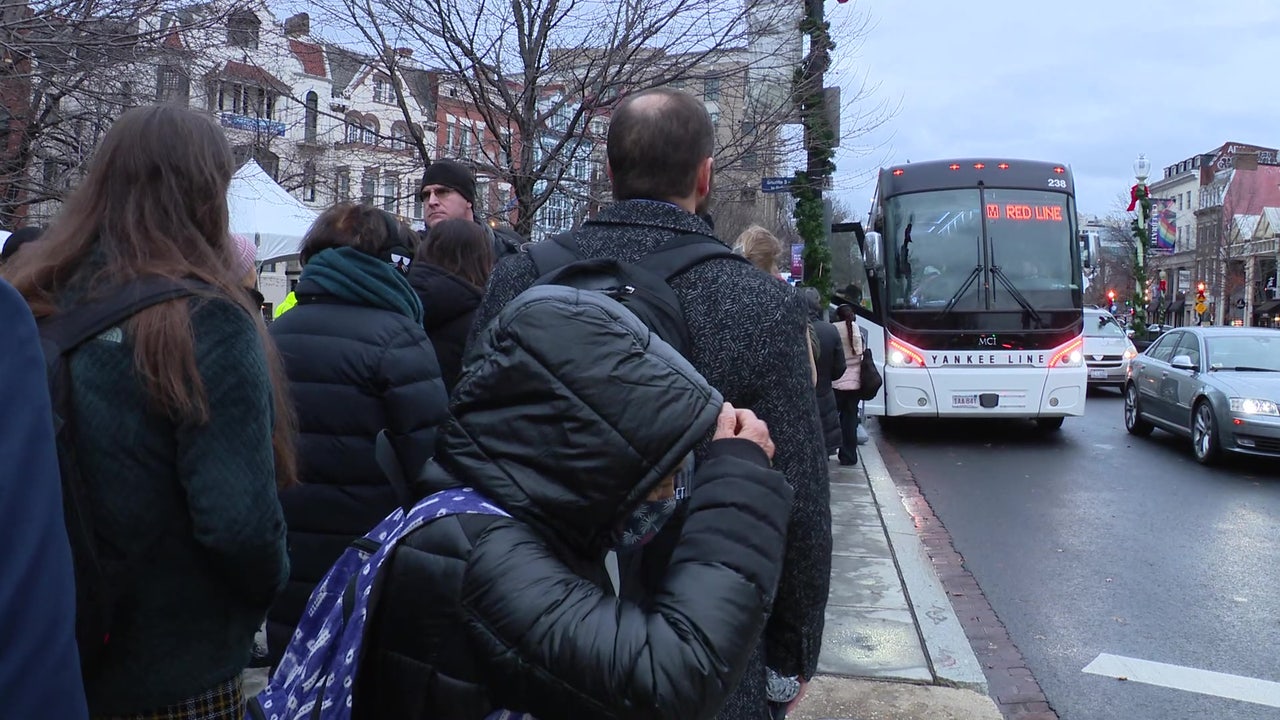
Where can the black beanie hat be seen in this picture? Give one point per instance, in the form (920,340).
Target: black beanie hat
(454,175)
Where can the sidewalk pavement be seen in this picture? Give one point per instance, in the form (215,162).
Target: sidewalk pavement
(893,647)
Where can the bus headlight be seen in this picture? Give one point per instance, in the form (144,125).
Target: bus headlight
(901,354)
(1068,355)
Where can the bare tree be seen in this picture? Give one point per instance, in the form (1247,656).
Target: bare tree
(543,75)
(67,69)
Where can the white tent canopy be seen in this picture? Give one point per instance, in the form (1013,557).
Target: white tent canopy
(262,210)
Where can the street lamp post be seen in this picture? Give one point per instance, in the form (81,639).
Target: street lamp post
(1142,202)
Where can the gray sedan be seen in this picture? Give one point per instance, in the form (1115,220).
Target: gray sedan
(1219,386)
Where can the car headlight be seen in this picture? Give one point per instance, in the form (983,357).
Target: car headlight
(1130,353)
(1254,406)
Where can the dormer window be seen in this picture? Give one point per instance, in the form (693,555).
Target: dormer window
(243,29)
(382,91)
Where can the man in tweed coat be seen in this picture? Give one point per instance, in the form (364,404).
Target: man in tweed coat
(748,333)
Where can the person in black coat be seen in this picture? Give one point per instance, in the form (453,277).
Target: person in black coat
(659,146)
(358,362)
(830,364)
(576,420)
(449,273)
(39,667)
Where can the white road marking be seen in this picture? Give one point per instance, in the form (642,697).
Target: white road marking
(1205,682)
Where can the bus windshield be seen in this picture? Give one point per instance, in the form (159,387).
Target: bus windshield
(934,243)
(1030,236)
(937,258)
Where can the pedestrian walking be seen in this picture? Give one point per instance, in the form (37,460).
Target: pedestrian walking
(659,148)
(846,386)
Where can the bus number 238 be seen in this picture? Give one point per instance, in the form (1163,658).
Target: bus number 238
(1057,183)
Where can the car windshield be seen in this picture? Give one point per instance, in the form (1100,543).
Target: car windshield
(1251,352)
(1102,326)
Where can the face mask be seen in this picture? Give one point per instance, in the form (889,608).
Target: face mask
(647,520)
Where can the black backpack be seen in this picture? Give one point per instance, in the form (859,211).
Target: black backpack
(98,570)
(642,287)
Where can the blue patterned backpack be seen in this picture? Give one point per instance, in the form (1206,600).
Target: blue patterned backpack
(316,677)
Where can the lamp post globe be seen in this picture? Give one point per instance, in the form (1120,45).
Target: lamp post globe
(1142,168)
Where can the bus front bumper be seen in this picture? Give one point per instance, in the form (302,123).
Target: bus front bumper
(985,392)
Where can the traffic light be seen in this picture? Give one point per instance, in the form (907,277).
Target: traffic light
(1200,292)
(1111,295)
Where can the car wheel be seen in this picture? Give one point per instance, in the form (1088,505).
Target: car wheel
(1133,421)
(1049,424)
(1204,433)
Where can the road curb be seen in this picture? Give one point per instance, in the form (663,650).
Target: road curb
(950,655)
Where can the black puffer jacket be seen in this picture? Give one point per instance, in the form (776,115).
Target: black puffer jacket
(830,366)
(568,414)
(354,369)
(448,306)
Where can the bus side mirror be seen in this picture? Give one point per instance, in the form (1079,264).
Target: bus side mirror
(872,252)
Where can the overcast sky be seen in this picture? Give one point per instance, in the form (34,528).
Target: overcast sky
(1091,83)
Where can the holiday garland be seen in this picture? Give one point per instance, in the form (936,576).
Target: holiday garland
(806,187)
(1142,240)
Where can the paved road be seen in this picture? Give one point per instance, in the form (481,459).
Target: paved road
(1092,541)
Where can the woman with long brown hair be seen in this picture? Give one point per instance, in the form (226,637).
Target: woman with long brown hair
(449,274)
(846,386)
(181,435)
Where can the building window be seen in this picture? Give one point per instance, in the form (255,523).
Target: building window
(311,122)
(417,206)
(368,186)
(451,138)
(172,85)
(399,136)
(382,91)
(248,100)
(370,134)
(342,185)
(309,181)
(391,194)
(482,198)
(711,89)
(354,129)
(243,29)
(715,117)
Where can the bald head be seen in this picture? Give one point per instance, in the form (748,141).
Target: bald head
(659,143)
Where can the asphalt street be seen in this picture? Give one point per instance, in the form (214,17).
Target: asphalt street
(1090,541)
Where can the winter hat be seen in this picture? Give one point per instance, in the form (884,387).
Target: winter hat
(244,256)
(451,174)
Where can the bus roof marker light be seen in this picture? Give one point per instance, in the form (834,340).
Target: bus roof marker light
(898,172)
(953,166)
(1060,170)
(1003,166)
(979,166)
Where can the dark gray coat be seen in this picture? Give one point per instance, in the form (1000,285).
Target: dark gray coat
(762,365)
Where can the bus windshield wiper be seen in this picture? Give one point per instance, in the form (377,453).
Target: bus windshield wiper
(1017,295)
(973,275)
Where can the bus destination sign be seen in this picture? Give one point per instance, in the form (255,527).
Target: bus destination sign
(1037,213)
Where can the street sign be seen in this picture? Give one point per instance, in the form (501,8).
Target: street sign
(1240,304)
(775,184)
(1201,308)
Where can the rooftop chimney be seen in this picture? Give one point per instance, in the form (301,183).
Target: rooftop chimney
(404,52)
(298,25)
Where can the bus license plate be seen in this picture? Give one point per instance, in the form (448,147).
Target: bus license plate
(964,401)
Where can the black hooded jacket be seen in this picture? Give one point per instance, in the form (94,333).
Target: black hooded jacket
(448,307)
(567,416)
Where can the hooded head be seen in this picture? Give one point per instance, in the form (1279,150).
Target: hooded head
(569,413)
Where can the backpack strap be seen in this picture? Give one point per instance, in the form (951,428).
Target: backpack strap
(65,331)
(554,253)
(683,252)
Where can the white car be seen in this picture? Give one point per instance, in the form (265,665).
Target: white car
(1107,349)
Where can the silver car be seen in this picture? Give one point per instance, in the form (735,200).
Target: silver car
(1219,386)
(1107,349)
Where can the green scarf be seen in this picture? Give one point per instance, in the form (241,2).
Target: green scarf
(355,277)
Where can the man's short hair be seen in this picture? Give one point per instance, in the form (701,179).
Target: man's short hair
(657,140)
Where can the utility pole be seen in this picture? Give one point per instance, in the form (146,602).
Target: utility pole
(812,221)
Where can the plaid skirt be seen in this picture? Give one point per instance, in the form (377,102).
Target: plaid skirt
(221,702)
